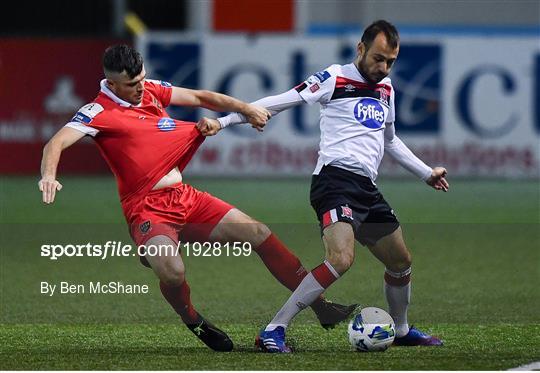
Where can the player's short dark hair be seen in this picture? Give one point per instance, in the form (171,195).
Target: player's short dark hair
(121,57)
(389,30)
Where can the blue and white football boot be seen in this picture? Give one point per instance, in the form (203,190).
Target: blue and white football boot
(272,341)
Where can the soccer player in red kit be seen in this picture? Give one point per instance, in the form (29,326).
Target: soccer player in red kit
(147,151)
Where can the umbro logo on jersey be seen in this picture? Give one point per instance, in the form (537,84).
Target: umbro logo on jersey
(369,112)
(349,88)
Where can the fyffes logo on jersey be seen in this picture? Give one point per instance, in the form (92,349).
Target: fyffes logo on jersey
(166,124)
(369,112)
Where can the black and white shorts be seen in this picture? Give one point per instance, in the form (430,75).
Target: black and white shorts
(341,195)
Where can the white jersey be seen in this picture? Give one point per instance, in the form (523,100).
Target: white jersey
(353,117)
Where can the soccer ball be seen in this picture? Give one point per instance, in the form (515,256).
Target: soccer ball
(372,329)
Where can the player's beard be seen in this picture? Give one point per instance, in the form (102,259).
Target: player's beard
(363,68)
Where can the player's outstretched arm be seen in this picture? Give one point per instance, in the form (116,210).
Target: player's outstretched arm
(274,104)
(256,115)
(48,184)
(435,177)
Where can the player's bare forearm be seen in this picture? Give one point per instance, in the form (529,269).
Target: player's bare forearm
(255,115)
(52,151)
(50,159)
(220,102)
(48,184)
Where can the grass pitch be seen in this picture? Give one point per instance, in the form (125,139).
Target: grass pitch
(476,253)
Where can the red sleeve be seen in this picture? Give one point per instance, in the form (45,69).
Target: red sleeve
(161,89)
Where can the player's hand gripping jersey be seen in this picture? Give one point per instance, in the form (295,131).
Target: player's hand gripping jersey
(353,118)
(140,143)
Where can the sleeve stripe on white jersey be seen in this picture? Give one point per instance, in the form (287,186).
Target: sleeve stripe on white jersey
(82,128)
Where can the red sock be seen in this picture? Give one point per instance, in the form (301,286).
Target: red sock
(397,281)
(325,277)
(282,263)
(325,274)
(179,298)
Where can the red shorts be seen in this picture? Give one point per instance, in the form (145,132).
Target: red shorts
(180,212)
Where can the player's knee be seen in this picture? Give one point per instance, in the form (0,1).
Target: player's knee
(402,263)
(261,231)
(341,260)
(173,275)
(247,229)
(407,262)
(254,232)
(172,279)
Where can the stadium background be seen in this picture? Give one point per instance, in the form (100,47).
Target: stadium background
(468,92)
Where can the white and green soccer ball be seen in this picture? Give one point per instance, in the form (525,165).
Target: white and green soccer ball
(371,329)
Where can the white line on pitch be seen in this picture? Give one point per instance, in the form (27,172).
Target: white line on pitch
(531,366)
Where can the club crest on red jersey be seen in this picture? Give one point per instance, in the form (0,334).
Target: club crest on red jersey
(156,103)
(145,227)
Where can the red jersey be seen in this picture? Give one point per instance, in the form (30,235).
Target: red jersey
(140,143)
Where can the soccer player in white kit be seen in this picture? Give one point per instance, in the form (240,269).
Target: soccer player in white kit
(357,127)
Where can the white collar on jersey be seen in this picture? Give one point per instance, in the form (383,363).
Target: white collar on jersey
(112,96)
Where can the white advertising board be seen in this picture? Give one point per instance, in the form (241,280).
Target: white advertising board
(470,104)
